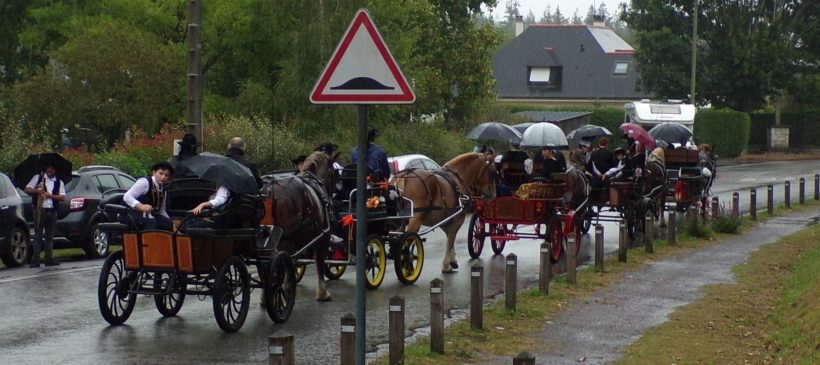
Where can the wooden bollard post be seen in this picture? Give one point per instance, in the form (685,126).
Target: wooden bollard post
(476,297)
(396,330)
(770,200)
(348,340)
(280,350)
(622,242)
(787,187)
(524,358)
(544,269)
(816,186)
(647,233)
(511,281)
(599,247)
(672,228)
(753,204)
(715,206)
(437,316)
(736,204)
(571,258)
(802,194)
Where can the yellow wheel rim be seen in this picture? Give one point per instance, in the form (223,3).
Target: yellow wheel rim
(300,272)
(375,263)
(412,258)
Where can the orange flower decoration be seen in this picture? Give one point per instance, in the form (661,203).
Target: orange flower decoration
(372,202)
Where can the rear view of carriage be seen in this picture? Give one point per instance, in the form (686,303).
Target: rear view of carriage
(689,179)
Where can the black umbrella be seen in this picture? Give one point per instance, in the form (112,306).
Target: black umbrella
(223,171)
(589,131)
(494,131)
(521,127)
(35,164)
(671,133)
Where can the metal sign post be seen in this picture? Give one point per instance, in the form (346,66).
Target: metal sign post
(361,234)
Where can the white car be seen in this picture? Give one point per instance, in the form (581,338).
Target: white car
(422,162)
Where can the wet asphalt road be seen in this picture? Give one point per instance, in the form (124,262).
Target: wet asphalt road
(51,315)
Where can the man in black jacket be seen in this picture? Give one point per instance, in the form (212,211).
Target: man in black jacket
(236,151)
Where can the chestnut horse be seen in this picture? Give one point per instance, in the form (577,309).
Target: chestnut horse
(436,195)
(301,210)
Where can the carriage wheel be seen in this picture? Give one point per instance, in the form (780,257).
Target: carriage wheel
(333,271)
(498,245)
(578,232)
(116,303)
(556,236)
(375,261)
(300,272)
(410,259)
(475,236)
(631,222)
(586,224)
(168,304)
(231,294)
(280,290)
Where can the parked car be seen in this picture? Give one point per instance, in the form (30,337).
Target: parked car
(14,235)
(78,216)
(422,162)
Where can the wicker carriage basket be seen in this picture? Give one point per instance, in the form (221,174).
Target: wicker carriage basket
(541,190)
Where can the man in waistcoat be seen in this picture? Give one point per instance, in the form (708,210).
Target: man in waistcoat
(146,199)
(51,190)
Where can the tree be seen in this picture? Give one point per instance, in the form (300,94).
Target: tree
(546,17)
(576,19)
(559,18)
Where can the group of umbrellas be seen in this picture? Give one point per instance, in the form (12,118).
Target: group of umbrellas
(545,134)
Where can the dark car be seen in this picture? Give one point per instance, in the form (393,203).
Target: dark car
(13,227)
(78,216)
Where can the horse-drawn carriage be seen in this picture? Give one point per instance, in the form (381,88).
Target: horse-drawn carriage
(690,174)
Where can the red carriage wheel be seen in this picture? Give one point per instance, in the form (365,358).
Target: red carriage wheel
(475,236)
(496,244)
(556,238)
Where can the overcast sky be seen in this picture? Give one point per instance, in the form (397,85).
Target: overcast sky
(567,7)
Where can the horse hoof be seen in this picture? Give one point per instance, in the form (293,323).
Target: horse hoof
(326,298)
(447,270)
(454,265)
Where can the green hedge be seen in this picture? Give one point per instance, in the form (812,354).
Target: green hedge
(804,127)
(727,130)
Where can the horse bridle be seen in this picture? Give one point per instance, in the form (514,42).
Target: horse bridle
(474,188)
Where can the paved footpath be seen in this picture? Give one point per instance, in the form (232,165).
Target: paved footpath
(599,328)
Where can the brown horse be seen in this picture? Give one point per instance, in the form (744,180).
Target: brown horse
(301,211)
(436,195)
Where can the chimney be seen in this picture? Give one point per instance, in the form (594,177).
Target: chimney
(598,21)
(519,25)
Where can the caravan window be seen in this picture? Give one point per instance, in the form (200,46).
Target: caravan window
(664,109)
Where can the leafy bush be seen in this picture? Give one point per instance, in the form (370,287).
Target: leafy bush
(697,227)
(15,145)
(725,223)
(727,130)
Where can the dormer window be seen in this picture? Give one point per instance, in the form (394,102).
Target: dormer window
(621,68)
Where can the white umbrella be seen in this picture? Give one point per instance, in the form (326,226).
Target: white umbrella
(544,135)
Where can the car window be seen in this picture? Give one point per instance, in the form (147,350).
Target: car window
(414,164)
(431,165)
(126,182)
(5,187)
(106,182)
(75,180)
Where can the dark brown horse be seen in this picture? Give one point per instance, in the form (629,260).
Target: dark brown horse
(301,211)
(436,195)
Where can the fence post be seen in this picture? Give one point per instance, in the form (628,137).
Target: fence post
(511,284)
(545,269)
(736,204)
(476,297)
(524,358)
(396,330)
(569,253)
(788,194)
(672,228)
(280,350)
(437,316)
(753,204)
(770,200)
(622,242)
(816,186)
(802,197)
(348,339)
(715,206)
(647,233)
(599,247)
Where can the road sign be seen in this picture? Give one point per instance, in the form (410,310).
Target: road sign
(362,70)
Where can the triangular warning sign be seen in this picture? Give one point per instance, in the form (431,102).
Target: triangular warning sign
(362,70)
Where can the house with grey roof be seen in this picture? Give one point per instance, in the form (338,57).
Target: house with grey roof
(567,64)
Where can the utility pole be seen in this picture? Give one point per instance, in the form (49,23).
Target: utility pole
(194,79)
(694,49)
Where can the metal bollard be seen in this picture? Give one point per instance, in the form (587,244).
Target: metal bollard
(396,330)
(524,358)
(511,284)
(477,297)
(571,258)
(753,204)
(802,195)
(437,316)
(736,204)
(545,269)
(672,228)
(599,247)
(348,340)
(622,249)
(647,233)
(770,200)
(280,350)
(788,194)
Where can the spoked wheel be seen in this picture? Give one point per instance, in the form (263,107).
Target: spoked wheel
(280,290)
(375,261)
(333,271)
(631,222)
(410,258)
(498,245)
(116,303)
(231,294)
(587,222)
(475,236)
(300,272)
(556,236)
(169,304)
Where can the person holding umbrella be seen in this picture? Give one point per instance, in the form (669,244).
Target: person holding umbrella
(215,201)
(146,199)
(45,187)
(550,163)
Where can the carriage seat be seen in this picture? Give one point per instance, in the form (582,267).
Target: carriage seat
(513,174)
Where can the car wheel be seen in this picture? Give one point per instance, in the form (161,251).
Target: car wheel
(15,250)
(99,241)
